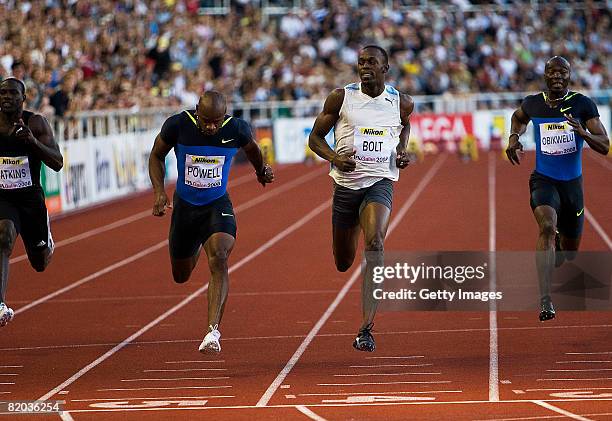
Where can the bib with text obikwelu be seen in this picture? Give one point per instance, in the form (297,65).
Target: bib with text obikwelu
(373,144)
(204,172)
(557,138)
(15,172)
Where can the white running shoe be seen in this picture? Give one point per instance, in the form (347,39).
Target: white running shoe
(6,314)
(211,344)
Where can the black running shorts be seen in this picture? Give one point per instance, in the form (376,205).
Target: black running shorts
(348,203)
(192,225)
(27,209)
(565,197)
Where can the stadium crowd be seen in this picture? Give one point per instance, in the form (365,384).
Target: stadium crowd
(101,54)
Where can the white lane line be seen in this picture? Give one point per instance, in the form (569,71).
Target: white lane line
(309,413)
(265,398)
(261,249)
(381,393)
(9,374)
(164,243)
(174,379)
(568,388)
(93,276)
(399,358)
(120,222)
(390,365)
(8,383)
(561,411)
(584,362)
(589,353)
(175,296)
(586,369)
(5,393)
(336,405)
(195,361)
(157,398)
(166,388)
(323,335)
(184,369)
(11,366)
(378,383)
(602,233)
(385,374)
(493,332)
(574,380)
(65,416)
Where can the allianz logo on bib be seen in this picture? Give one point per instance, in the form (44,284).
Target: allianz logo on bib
(373,132)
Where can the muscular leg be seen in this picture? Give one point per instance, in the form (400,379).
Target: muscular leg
(8,234)
(182,268)
(345,242)
(218,248)
(374,220)
(40,259)
(570,246)
(546,218)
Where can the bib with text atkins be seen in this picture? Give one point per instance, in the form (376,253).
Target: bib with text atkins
(557,138)
(15,172)
(374,144)
(203,172)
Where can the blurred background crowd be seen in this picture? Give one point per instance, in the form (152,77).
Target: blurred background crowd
(77,55)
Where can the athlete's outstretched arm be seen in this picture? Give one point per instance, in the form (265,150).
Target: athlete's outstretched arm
(517,127)
(406,108)
(594,134)
(263,171)
(39,137)
(157,171)
(323,124)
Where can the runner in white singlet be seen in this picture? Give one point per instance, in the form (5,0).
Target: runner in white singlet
(371,129)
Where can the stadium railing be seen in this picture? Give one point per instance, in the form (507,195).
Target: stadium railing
(111,122)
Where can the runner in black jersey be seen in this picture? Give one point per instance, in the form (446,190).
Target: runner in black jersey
(563,120)
(26,141)
(204,140)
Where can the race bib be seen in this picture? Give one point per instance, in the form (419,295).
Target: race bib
(557,138)
(204,172)
(374,144)
(15,172)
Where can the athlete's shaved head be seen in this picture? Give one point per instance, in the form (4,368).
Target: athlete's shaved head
(562,61)
(211,111)
(212,103)
(557,75)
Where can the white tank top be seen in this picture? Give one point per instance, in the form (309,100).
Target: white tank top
(371,127)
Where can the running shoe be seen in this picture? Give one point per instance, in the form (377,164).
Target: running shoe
(6,314)
(364,340)
(547,310)
(211,344)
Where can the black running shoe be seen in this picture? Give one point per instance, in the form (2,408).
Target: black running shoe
(559,254)
(364,340)
(547,310)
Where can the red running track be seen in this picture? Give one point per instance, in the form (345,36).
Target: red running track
(106,330)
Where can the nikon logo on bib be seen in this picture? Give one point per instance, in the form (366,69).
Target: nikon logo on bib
(205,160)
(204,172)
(368,131)
(15,172)
(557,138)
(374,145)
